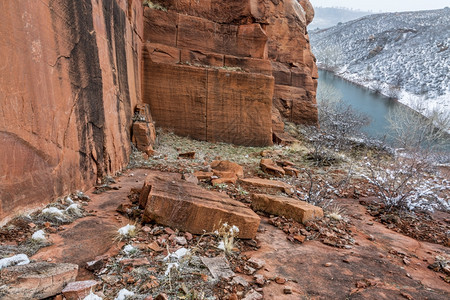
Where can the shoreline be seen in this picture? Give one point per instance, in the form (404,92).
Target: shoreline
(420,104)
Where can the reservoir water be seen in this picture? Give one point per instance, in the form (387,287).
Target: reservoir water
(375,105)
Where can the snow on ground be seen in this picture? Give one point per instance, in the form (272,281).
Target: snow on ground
(19,259)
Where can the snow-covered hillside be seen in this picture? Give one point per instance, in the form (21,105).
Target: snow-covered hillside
(403,55)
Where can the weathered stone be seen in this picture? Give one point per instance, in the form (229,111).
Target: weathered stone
(268,166)
(135,262)
(277,121)
(79,289)
(270,184)
(299,211)
(161,53)
(259,279)
(155,247)
(309,10)
(97,263)
(251,65)
(218,266)
(202,58)
(229,35)
(189,177)
(212,105)
(287,290)
(257,263)
(176,203)
(72,79)
(227,169)
(144,136)
(253,295)
(203,175)
(36,280)
(225,180)
(240,280)
(190,155)
(291,171)
(160,27)
(296,105)
(283,138)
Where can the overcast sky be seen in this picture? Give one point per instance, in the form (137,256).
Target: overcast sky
(384,5)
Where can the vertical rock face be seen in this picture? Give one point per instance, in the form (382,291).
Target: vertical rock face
(214,70)
(294,66)
(70,77)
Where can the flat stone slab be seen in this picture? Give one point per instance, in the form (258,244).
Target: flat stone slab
(171,201)
(36,280)
(271,184)
(218,266)
(299,211)
(79,289)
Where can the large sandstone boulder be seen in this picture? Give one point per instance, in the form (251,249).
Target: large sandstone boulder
(297,210)
(69,78)
(36,280)
(170,201)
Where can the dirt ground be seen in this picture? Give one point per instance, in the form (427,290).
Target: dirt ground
(382,264)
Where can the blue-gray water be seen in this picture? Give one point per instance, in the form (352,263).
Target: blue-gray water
(374,105)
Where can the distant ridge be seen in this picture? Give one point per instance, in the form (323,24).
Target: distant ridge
(330,16)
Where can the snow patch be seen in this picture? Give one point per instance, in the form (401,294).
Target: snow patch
(177,255)
(16,260)
(127,230)
(128,249)
(53,211)
(39,236)
(92,296)
(124,294)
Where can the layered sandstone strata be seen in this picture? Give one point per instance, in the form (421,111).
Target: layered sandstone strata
(70,78)
(214,70)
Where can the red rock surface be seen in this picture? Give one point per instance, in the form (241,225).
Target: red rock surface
(79,289)
(38,280)
(297,210)
(269,184)
(70,78)
(173,202)
(245,40)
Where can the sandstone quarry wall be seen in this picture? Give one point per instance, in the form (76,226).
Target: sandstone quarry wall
(188,43)
(71,73)
(69,79)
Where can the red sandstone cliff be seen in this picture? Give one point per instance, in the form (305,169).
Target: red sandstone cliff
(219,70)
(69,78)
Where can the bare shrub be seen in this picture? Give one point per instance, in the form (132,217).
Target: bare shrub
(339,123)
(321,191)
(403,183)
(416,133)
